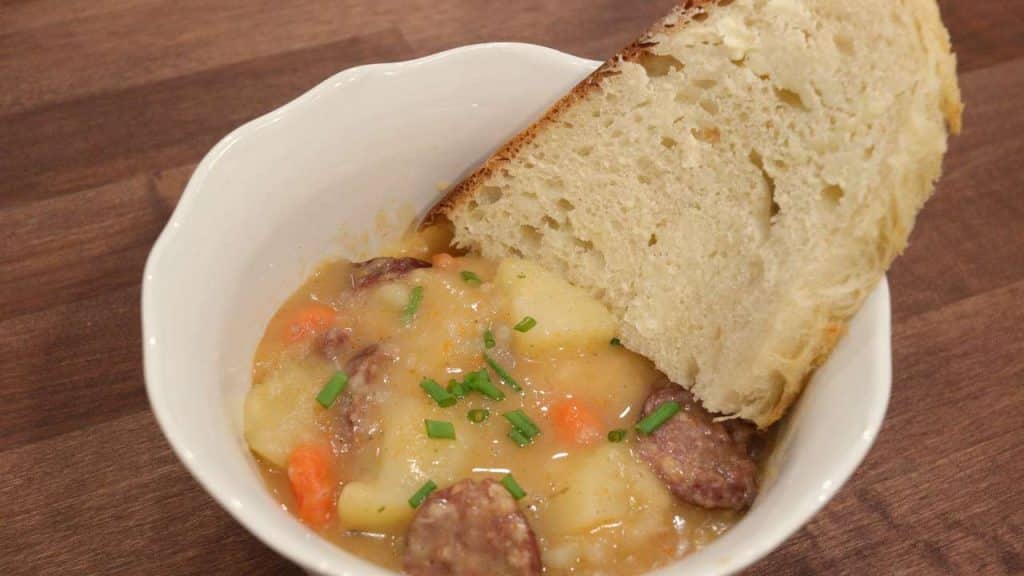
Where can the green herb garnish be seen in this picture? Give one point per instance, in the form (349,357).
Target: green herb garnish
(443,398)
(525,324)
(513,487)
(502,373)
(440,429)
(519,438)
(457,389)
(521,422)
(422,494)
(655,419)
(415,298)
(334,387)
(470,277)
(478,415)
(480,381)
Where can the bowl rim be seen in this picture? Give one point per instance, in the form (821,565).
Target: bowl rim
(149,315)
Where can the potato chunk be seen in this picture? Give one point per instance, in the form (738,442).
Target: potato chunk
(607,486)
(406,459)
(280,413)
(374,507)
(566,315)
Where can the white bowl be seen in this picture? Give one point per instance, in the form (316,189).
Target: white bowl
(325,176)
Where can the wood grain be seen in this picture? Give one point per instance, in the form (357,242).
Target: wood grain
(107,105)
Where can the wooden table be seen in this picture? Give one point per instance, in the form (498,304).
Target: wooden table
(106,106)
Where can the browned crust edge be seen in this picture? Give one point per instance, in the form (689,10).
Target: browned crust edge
(511,149)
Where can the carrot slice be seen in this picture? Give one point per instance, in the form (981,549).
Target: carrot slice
(575,422)
(442,260)
(313,483)
(309,321)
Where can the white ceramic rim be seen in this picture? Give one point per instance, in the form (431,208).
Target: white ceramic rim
(749,555)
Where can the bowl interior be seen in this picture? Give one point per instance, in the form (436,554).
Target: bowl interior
(347,167)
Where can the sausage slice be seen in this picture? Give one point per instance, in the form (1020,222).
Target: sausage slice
(703,462)
(356,406)
(377,270)
(471,529)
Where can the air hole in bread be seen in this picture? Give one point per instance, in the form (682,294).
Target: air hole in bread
(643,178)
(657,65)
(834,194)
(584,151)
(652,240)
(564,205)
(706,83)
(700,16)
(693,368)
(488,195)
(844,43)
(688,95)
(769,182)
(709,106)
(584,245)
(708,134)
(790,98)
(530,237)
(668,142)
(551,222)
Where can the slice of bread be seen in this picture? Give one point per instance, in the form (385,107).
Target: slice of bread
(732,185)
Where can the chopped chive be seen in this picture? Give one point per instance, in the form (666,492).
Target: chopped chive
(480,381)
(521,422)
(513,487)
(489,340)
(615,342)
(443,398)
(415,298)
(422,494)
(655,419)
(478,415)
(525,324)
(502,373)
(470,277)
(440,429)
(457,389)
(334,387)
(617,435)
(519,438)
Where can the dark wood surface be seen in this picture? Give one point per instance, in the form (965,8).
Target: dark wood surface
(106,106)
